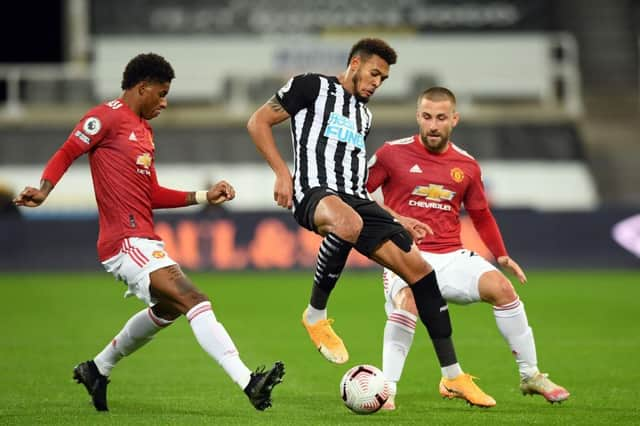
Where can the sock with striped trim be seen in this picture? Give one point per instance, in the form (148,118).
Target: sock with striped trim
(137,332)
(215,340)
(512,323)
(332,257)
(398,337)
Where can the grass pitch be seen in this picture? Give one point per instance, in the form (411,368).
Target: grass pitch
(585,325)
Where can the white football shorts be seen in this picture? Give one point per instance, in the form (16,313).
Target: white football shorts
(458,274)
(138,258)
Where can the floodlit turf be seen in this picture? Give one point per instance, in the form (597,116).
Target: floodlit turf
(585,324)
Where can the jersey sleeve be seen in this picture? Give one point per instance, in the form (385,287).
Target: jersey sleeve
(165,198)
(477,205)
(378,173)
(475,197)
(87,134)
(487,228)
(299,92)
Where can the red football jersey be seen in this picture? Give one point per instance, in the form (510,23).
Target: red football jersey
(428,187)
(121,152)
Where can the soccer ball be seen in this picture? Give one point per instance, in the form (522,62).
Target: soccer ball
(364,389)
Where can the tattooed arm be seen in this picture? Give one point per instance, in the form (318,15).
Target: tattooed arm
(260,129)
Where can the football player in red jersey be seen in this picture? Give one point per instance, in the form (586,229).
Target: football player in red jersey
(424,180)
(119,141)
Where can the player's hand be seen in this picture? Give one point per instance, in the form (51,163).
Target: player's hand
(417,229)
(30,197)
(221,192)
(512,265)
(283,191)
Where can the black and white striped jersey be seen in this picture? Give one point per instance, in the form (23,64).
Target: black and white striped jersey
(328,129)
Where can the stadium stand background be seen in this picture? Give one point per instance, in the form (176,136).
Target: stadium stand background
(548,92)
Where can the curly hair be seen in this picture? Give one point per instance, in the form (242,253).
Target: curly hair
(146,67)
(373,46)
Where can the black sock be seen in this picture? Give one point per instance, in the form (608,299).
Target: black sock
(332,257)
(434,314)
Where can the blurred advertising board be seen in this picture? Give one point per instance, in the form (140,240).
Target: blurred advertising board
(219,240)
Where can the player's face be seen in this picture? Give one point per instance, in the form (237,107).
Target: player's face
(154,99)
(369,75)
(436,120)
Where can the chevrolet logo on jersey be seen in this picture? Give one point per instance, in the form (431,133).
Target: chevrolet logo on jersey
(144,160)
(434,192)
(344,130)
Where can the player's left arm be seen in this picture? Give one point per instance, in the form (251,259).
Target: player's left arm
(487,228)
(164,198)
(477,207)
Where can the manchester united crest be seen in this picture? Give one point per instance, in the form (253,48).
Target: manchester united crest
(457,174)
(158,254)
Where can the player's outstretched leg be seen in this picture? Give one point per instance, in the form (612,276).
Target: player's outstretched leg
(464,387)
(261,384)
(540,384)
(87,373)
(326,340)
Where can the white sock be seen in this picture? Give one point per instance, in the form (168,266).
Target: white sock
(314,315)
(393,388)
(215,340)
(451,371)
(512,323)
(138,331)
(398,337)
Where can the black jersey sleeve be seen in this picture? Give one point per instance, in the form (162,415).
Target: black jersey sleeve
(299,92)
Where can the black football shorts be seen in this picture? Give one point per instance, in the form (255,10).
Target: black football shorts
(378,225)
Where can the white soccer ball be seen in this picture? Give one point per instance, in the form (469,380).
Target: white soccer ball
(364,389)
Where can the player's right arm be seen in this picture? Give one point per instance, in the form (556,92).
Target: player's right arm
(87,133)
(260,129)
(298,93)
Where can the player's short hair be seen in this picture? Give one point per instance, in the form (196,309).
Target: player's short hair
(438,94)
(146,67)
(373,46)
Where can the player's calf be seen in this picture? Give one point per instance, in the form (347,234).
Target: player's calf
(434,314)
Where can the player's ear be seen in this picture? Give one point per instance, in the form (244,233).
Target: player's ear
(141,87)
(355,62)
(455,118)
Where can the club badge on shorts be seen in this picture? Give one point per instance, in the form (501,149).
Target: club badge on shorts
(158,254)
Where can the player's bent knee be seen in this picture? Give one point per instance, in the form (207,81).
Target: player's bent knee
(349,230)
(193,298)
(418,267)
(165,311)
(496,289)
(184,295)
